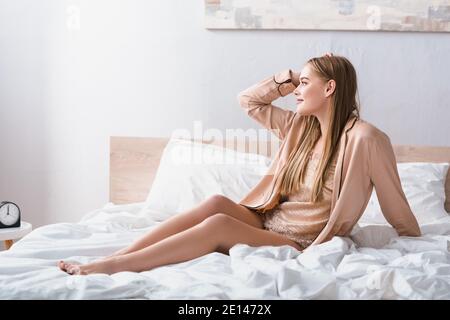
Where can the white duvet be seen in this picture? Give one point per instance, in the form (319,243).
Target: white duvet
(372,264)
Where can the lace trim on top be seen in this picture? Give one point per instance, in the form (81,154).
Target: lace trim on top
(304,233)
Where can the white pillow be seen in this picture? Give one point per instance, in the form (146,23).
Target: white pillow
(190,172)
(424,187)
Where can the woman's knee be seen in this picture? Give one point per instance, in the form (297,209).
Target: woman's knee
(215,204)
(219,200)
(217,223)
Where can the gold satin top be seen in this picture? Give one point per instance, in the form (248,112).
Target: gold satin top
(295,216)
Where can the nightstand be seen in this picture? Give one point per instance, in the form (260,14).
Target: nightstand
(10,234)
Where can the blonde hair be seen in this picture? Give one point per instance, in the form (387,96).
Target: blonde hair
(344,104)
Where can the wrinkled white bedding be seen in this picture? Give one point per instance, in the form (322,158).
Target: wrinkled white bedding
(372,264)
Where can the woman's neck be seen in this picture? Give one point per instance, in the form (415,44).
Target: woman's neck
(324,118)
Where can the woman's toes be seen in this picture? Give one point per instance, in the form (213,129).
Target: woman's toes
(69,268)
(73,269)
(62,265)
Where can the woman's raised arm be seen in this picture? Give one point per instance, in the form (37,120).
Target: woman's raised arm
(257,101)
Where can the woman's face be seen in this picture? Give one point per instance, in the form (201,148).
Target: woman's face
(311,95)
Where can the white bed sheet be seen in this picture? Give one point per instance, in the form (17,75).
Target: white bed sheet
(371,264)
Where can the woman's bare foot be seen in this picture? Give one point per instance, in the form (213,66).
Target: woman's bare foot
(101,266)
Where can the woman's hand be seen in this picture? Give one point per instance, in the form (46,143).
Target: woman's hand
(295,78)
(295,75)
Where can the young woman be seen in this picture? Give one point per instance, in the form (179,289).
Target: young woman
(317,187)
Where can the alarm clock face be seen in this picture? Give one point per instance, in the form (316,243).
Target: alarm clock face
(9,213)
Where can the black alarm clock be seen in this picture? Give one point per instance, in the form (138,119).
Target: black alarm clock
(9,215)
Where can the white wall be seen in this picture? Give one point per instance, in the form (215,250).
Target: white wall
(146,68)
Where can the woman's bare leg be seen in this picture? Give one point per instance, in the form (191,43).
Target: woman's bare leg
(185,220)
(216,233)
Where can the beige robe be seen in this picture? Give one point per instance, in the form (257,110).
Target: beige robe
(365,160)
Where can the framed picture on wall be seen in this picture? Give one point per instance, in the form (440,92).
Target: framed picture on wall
(364,15)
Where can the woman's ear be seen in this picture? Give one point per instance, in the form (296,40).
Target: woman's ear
(330,87)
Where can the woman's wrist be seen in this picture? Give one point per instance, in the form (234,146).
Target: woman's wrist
(295,78)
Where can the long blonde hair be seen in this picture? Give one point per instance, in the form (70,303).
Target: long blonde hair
(345,103)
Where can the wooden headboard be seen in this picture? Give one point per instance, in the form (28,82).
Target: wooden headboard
(134,161)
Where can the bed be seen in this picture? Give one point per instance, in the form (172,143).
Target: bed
(374,263)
